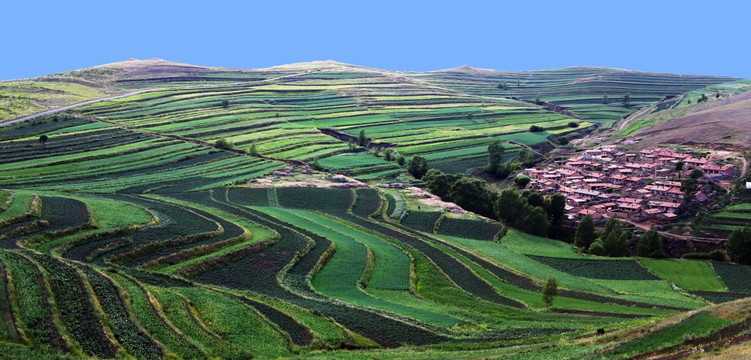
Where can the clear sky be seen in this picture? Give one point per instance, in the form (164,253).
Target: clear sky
(707,37)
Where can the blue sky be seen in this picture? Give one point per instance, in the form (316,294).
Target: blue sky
(665,36)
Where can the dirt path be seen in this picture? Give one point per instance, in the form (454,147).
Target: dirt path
(72,106)
(632,117)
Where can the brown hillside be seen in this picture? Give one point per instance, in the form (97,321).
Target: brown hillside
(727,121)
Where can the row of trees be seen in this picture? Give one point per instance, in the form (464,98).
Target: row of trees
(532,212)
(613,240)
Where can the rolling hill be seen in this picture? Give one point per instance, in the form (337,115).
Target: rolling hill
(139,226)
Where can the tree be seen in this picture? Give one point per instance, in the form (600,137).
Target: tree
(400,160)
(439,183)
(556,208)
(537,100)
(509,207)
(617,242)
(225,103)
(43,140)
(739,246)
(521,181)
(573,124)
(604,99)
(224,144)
(471,194)
(689,187)
(696,174)
(626,100)
(495,157)
(717,94)
(549,291)
(536,128)
(253,150)
(535,221)
(387,154)
(535,199)
(585,232)
(679,166)
(362,140)
(597,248)
(610,226)
(418,166)
(650,244)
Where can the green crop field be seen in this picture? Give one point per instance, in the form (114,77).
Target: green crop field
(201,219)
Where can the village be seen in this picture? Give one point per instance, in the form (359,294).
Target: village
(642,188)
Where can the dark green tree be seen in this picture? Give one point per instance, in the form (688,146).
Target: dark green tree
(400,160)
(679,166)
(522,181)
(362,140)
(549,291)
(617,242)
(225,103)
(495,157)
(650,244)
(597,248)
(439,183)
(471,194)
(509,207)
(43,139)
(253,150)
(535,199)
(610,226)
(387,154)
(224,144)
(418,166)
(689,187)
(535,221)
(537,100)
(585,232)
(626,100)
(604,99)
(696,174)
(739,246)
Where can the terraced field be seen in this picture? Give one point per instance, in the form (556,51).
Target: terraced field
(131,233)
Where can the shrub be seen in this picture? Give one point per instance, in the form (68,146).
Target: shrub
(535,128)
(597,248)
(521,181)
(224,144)
(573,124)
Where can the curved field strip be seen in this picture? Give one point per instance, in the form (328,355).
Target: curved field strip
(128,334)
(151,318)
(340,277)
(77,312)
(37,319)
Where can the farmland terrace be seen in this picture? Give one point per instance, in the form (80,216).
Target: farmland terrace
(128,226)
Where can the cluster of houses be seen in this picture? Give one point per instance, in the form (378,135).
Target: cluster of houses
(638,187)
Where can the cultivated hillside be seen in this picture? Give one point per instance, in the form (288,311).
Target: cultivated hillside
(209,218)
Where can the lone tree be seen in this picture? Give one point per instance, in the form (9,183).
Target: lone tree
(224,144)
(225,103)
(537,100)
(495,157)
(679,166)
(604,99)
(418,166)
(585,233)
(626,100)
(362,140)
(43,139)
(549,291)
(689,187)
(253,150)
(697,173)
(739,246)
(521,181)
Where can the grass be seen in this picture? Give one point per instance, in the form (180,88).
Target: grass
(689,275)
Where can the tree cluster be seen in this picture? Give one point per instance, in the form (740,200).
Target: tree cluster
(650,245)
(418,167)
(532,212)
(611,241)
(224,144)
(470,193)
